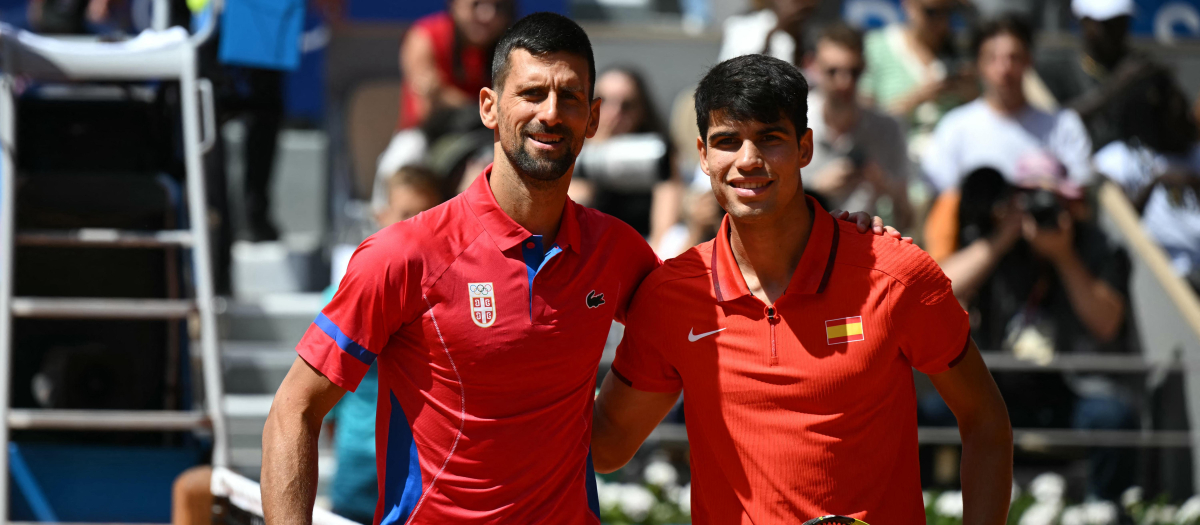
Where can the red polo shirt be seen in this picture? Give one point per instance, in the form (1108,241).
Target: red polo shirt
(487,345)
(805,407)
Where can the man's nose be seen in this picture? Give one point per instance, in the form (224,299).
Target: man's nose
(749,157)
(548,111)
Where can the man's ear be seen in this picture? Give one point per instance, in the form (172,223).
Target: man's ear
(489,103)
(806,148)
(594,121)
(702,148)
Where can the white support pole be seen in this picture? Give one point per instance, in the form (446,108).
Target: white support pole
(202,260)
(8,187)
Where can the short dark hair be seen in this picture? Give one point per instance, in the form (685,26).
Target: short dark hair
(542,34)
(754,87)
(419,178)
(1007,24)
(843,35)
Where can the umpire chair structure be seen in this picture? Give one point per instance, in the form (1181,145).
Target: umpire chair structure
(162,55)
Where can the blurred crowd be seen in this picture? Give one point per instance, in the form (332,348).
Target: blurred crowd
(946,124)
(957,136)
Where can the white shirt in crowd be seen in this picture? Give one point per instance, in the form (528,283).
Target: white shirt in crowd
(1171,218)
(975,135)
(746,35)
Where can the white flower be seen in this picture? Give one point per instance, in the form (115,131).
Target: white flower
(685,499)
(926,497)
(660,473)
(1132,496)
(609,493)
(1016,492)
(1074,515)
(949,504)
(1101,513)
(636,501)
(1041,513)
(1160,514)
(1189,513)
(1048,487)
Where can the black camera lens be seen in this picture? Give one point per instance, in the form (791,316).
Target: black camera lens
(1043,206)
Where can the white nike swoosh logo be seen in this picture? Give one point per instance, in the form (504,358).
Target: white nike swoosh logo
(696,337)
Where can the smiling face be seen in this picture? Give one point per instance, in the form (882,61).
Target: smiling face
(754,167)
(542,112)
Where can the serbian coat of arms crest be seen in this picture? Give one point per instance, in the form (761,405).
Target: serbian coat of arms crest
(483,303)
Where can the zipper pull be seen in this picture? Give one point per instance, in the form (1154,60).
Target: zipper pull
(771,314)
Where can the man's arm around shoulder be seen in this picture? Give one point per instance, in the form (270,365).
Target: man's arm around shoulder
(622,419)
(289,461)
(983,424)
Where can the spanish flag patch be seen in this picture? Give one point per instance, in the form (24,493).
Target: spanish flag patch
(844,330)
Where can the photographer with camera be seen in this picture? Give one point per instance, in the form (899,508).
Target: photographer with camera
(1038,278)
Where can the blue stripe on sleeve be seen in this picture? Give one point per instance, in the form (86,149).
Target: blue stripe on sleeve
(343,341)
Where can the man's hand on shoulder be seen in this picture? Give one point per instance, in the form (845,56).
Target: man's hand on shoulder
(865,222)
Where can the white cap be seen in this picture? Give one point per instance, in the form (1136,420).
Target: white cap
(1102,9)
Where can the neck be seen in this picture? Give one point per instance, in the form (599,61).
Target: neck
(534,204)
(1006,103)
(840,116)
(769,250)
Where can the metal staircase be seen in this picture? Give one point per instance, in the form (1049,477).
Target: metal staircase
(167,55)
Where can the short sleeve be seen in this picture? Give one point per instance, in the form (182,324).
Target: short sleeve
(640,362)
(1072,145)
(933,329)
(868,83)
(940,161)
(639,260)
(379,293)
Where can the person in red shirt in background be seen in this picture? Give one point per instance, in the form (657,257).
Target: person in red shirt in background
(794,338)
(445,59)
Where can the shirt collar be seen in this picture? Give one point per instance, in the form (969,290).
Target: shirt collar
(505,231)
(812,274)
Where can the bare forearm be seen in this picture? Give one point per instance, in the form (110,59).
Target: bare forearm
(621,420)
(970,267)
(289,468)
(1098,305)
(987,473)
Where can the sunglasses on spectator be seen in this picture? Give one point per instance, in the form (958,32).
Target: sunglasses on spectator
(854,72)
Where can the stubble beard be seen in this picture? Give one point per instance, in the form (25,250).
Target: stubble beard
(539,168)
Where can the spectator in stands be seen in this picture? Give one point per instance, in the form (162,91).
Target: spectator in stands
(860,154)
(1164,186)
(701,217)
(626,169)
(411,190)
(1000,127)
(912,69)
(1120,94)
(1039,278)
(777,30)
(445,60)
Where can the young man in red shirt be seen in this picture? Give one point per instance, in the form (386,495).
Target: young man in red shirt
(486,316)
(794,338)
